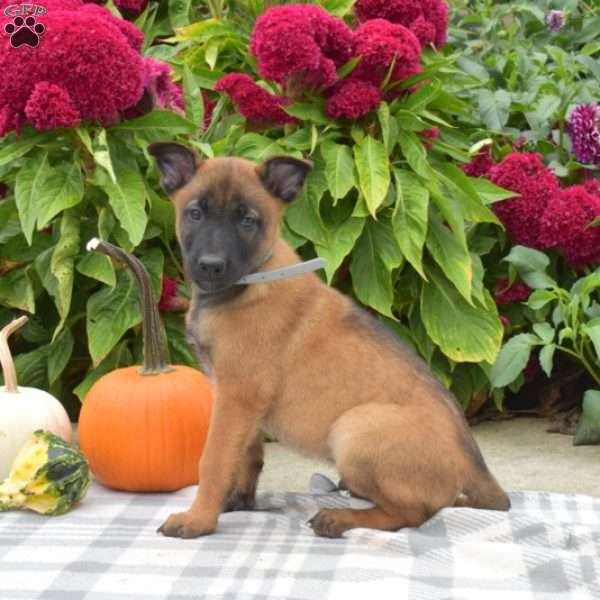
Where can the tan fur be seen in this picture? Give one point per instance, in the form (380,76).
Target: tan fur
(297,359)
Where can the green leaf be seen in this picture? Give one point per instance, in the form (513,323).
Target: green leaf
(254,146)
(414,153)
(513,359)
(464,332)
(59,355)
(62,189)
(547,357)
(459,185)
(62,263)
(29,188)
(179,13)
(531,266)
(16,147)
(339,168)
(9,222)
(372,165)
(340,239)
(308,111)
(32,370)
(383,116)
(101,154)
(16,290)
(348,67)
(99,267)
(110,313)
(452,255)
(539,298)
(588,428)
(179,348)
(375,256)
(158,123)
(410,217)
(422,97)
(127,197)
(592,330)
(544,331)
(194,105)
(118,356)
(339,8)
(494,108)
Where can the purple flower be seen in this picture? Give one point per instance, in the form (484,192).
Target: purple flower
(555,20)
(585,136)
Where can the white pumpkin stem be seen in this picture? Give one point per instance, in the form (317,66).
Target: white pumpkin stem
(8,366)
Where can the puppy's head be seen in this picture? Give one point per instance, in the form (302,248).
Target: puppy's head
(228,210)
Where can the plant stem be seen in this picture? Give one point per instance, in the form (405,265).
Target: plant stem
(154,341)
(8,366)
(583,360)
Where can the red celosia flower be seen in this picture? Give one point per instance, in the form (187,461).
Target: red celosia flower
(505,321)
(131,7)
(300,40)
(158,82)
(430,134)
(565,224)
(86,53)
(50,106)
(505,294)
(352,99)
(427,19)
(380,43)
(209,106)
(168,294)
(480,164)
(254,102)
(527,175)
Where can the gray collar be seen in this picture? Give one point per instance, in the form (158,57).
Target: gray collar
(283,272)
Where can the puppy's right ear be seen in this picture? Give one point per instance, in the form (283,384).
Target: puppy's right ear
(176,164)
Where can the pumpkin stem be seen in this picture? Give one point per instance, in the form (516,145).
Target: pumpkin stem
(153,335)
(8,366)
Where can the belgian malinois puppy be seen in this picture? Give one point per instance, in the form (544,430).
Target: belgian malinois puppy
(301,361)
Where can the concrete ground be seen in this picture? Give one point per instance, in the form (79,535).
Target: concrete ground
(519,452)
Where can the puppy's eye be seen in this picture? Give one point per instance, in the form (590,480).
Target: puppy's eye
(248,222)
(195,214)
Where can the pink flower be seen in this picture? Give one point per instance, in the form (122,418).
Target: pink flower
(158,82)
(300,40)
(168,294)
(87,53)
(50,106)
(380,43)
(352,99)
(505,294)
(480,164)
(527,175)
(209,106)
(505,321)
(427,19)
(254,102)
(131,7)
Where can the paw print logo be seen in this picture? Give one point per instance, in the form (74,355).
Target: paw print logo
(24,32)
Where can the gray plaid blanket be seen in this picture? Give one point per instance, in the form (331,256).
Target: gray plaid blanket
(546,548)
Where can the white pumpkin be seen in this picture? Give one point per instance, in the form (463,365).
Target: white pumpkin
(23,410)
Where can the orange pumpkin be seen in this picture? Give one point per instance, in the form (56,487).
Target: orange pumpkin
(144,428)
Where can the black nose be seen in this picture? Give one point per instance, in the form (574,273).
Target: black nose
(211,266)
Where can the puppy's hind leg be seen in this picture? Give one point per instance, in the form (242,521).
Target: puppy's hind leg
(378,459)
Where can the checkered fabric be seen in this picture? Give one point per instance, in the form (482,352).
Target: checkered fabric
(546,548)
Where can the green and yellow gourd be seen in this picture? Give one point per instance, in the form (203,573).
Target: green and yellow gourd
(48,476)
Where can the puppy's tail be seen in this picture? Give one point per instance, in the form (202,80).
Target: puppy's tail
(484,492)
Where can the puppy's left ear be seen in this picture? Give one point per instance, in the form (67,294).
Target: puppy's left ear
(284,176)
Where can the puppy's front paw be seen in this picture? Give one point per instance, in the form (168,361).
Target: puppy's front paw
(329,523)
(188,525)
